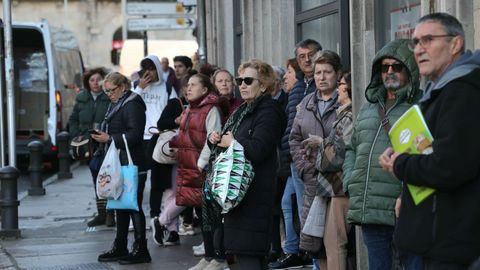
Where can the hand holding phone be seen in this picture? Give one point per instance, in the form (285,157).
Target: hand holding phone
(93,131)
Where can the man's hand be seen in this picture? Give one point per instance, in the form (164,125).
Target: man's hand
(398,205)
(387,160)
(145,80)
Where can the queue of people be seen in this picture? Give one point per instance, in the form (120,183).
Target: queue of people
(318,169)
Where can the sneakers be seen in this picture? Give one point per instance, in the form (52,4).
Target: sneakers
(199,250)
(186,229)
(157,231)
(287,261)
(216,265)
(201,265)
(172,240)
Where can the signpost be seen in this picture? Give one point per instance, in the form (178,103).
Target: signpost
(146,16)
(147,24)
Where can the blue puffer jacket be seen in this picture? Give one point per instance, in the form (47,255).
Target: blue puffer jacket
(299,91)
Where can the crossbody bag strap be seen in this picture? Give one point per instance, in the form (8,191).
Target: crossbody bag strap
(384,119)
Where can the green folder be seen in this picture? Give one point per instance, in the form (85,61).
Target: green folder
(410,134)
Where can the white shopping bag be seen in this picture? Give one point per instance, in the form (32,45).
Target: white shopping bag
(109,179)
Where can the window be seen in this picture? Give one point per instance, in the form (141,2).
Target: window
(395,19)
(309,4)
(325,30)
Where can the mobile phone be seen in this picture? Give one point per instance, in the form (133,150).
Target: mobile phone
(141,72)
(93,131)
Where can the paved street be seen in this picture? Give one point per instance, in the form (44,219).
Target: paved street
(55,235)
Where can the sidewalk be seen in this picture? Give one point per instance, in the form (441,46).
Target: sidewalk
(54,233)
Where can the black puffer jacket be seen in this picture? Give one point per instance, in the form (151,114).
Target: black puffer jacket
(247,227)
(129,120)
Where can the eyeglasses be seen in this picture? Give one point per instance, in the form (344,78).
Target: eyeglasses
(303,57)
(425,41)
(247,80)
(107,91)
(395,67)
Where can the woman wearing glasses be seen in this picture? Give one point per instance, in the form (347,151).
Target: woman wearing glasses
(126,115)
(257,125)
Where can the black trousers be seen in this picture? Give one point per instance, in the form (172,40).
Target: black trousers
(137,217)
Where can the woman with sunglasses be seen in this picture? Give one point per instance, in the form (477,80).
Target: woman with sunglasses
(126,116)
(257,125)
(313,122)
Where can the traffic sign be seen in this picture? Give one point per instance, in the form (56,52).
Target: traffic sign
(159,9)
(145,24)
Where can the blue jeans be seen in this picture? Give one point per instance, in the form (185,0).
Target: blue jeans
(294,185)
(378,239)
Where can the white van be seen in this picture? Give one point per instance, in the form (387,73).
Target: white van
(48,72)
(132,52)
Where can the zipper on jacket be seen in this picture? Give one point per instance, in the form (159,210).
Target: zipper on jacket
(368,173)
(307,84)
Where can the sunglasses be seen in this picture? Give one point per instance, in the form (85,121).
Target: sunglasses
(110,90)
(247,80)
(395,67)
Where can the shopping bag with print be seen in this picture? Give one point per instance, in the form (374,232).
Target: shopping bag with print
(109,178)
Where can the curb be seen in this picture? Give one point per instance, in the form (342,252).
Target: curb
(7,262)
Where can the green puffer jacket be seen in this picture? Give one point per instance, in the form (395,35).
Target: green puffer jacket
(373,191)
(86,112)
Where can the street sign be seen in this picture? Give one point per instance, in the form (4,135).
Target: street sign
(146,24)
(159,9)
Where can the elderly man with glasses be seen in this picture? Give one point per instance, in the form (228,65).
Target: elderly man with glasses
(394,87)
(443,228)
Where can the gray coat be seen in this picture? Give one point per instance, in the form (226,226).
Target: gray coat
(308,121)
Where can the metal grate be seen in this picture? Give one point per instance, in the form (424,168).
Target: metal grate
(84,266)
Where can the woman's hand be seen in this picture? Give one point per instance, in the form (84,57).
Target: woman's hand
(226,140)
(214,138)
(101,137)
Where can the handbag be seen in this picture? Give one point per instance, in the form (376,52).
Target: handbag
(109,179)
(162,153)
(231,177)
(81,147)
(128,199)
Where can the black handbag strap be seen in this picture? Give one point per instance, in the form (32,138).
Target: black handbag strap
(384,119)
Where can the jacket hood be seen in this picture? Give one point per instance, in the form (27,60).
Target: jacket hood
(465,64)
(158,66)
(397,49)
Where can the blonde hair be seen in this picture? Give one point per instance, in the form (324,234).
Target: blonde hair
(117,79)
(266,76)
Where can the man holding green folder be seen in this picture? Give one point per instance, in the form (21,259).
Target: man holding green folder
(444,227)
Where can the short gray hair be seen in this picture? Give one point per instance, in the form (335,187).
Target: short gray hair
(451,24)
(308,43)
(279,72)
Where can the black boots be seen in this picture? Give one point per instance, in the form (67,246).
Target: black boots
(139,253)
(119,250)
(100,218)
(110,218)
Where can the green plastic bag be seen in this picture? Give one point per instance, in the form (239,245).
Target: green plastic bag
(232,175)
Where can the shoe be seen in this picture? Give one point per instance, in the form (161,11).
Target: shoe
(119,250)
(157,231)
(307,260)
(172,240)
(216,265)
(186,229)
(139,254)
(201,265)
(110,219)
(287,261)
(97,221)
(199,251)
(273,256)
(201,246)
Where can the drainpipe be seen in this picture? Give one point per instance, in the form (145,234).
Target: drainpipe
(201,31)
